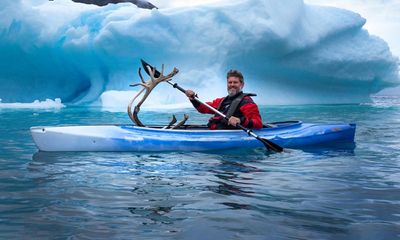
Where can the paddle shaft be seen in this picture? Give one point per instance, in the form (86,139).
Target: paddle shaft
(268,144)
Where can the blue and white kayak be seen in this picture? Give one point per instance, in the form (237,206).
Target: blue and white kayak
(292,134)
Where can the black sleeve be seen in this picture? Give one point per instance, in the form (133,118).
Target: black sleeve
(195,103)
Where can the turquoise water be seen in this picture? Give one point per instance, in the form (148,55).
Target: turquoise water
(329,194)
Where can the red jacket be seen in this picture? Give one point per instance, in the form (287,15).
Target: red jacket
(247,111)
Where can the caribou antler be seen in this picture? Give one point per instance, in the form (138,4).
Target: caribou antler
(185,118)
(148,86)
(171,123)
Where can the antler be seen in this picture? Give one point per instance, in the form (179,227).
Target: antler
(148,86)
(185,118)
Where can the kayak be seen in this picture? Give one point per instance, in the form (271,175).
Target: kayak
(289,134)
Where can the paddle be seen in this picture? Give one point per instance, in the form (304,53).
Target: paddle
(267,143)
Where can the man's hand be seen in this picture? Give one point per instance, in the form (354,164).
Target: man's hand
(234,121)
(190,94)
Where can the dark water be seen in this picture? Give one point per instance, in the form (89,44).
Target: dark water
(329,194)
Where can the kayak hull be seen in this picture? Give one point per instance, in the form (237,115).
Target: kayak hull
(295,135)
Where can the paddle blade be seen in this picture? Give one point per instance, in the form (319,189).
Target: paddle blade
(146,65)
(270,145)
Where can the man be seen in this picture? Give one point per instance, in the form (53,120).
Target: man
(239,107)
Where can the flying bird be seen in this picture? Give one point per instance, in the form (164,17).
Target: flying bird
(139,3)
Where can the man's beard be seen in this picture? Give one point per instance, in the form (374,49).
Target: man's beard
(233,91)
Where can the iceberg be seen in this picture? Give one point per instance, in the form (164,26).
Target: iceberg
(290,52)
(47,104)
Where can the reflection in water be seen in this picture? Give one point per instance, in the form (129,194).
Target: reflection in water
(169,191)
(155,214)
(338,149)
(254,186)
(231,180)
(47,157)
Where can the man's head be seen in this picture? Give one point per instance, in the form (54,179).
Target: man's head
(235,82)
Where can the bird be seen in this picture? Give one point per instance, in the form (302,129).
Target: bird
(140,3)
